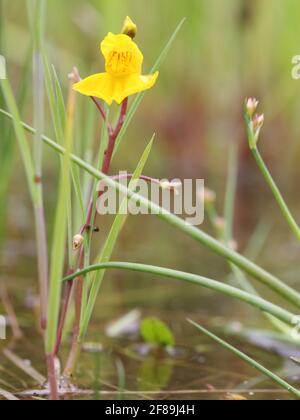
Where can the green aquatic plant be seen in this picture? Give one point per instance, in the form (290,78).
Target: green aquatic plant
(70,277)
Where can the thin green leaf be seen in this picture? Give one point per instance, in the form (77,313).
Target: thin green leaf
(21,137)
(283,384)
(59,237)
(233,292)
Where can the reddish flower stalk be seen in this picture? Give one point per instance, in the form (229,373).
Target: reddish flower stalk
(63,314)
(78,283)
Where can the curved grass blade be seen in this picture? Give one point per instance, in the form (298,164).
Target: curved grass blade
(225,289)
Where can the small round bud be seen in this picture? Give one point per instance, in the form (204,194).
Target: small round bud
(173,186)
(77,242)
(129,28)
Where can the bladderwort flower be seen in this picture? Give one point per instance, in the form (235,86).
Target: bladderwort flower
(123,65)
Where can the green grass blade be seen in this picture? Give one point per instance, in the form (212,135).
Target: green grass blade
(283,384)
(7,143)
(219,287)
(107,250)
(230,192)
(60,103)
(21,137)
(241,279)
(138,99)
(59,237)
(57,118)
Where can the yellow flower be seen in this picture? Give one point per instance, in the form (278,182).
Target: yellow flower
(123,77)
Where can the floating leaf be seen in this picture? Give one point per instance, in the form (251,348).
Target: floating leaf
(155,331)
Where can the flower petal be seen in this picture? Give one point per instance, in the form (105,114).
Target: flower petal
(122,55)
(132,84)
(100,85)
(110,88)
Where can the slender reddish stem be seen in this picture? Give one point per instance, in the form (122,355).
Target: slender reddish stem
(42,252)
(107,160)
(78,283)
(52,377)
(63,315)
(103,114)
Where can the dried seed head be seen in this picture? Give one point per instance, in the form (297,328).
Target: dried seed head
(129,28)
(74,76)
(77,242)
(251,106)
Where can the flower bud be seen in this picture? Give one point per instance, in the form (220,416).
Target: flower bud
(77,242)
(258,122)
(173,186)
(129,28)
(251,106)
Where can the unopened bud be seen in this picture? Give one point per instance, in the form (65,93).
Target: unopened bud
(251,106)
(258,122)
(77,242)
(129,28)
(173,186)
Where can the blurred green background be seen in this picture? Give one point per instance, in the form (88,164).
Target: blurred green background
(225,52)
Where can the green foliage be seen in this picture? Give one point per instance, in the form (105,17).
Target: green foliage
(156,332)
(283,384)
